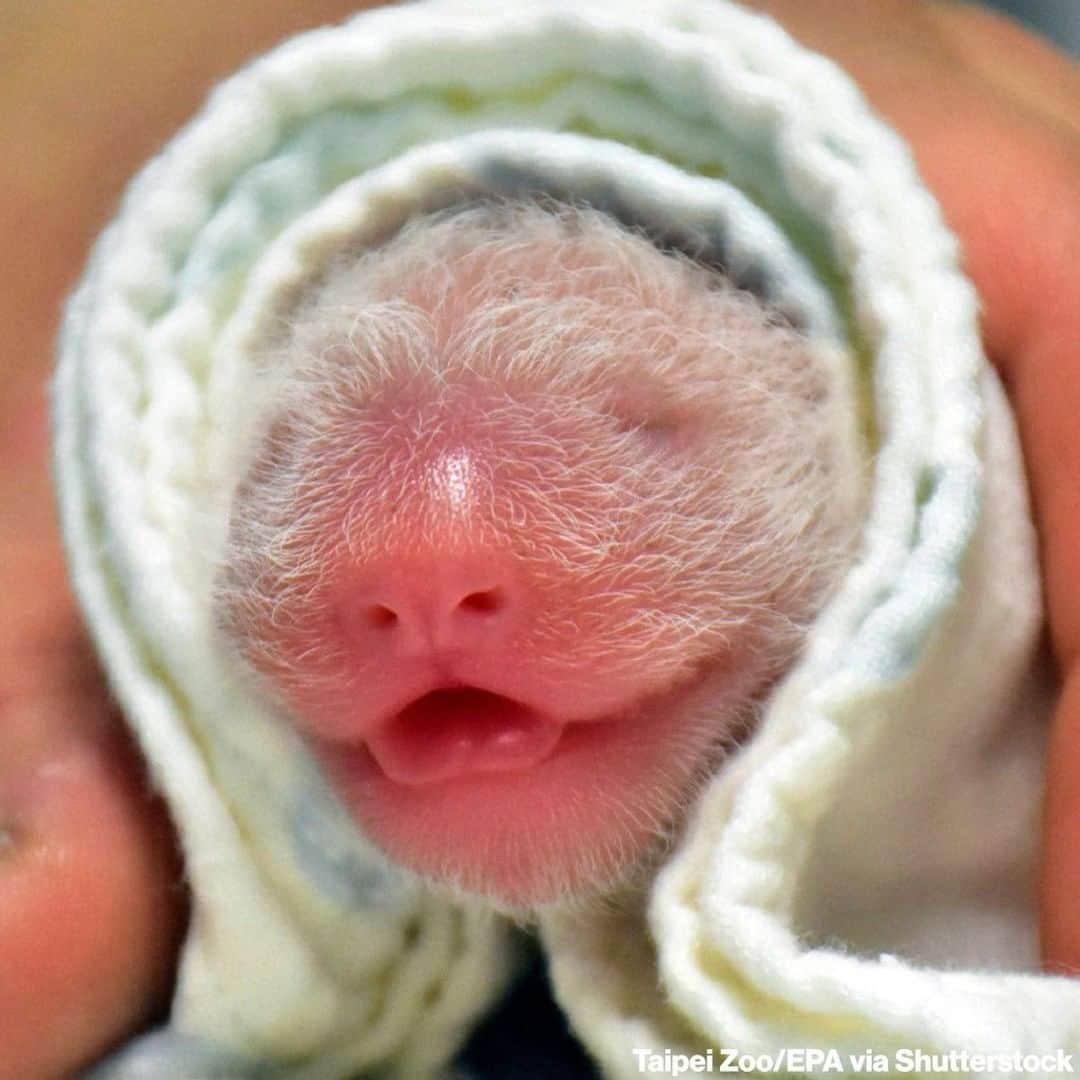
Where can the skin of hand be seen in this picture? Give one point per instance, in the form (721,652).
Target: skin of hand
(92,907)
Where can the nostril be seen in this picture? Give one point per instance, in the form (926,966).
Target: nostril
(380,617)
(433,608)
(484,602)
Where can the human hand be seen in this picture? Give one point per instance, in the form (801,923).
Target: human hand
(90,911)
(91,895)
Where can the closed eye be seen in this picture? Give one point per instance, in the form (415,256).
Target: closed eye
(662,433)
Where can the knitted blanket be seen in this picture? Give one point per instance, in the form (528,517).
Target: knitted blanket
(859,878)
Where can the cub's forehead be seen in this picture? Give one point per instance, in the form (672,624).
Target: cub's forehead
(450,262)
(530,295)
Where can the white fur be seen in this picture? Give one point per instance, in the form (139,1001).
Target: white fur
(697,433)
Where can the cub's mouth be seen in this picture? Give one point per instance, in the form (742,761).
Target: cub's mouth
(496,796)
(458,731)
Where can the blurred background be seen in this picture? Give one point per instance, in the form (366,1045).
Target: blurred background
(1058,19)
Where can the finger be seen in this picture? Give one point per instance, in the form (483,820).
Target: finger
(1060,886)
(91,900)
(91,895)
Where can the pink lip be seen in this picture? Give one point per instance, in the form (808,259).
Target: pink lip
(460,731)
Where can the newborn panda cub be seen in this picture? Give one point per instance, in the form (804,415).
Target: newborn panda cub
(536,516)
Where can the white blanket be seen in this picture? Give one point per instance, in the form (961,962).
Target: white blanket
(860,877)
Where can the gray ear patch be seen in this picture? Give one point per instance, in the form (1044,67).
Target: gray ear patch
(714,224)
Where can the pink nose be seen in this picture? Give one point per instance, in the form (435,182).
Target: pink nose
(453,605)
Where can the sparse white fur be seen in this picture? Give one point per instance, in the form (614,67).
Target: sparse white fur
(660,441)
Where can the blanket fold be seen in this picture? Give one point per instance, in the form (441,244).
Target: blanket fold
(860,875)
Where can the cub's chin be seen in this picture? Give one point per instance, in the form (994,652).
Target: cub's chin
(587,819)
